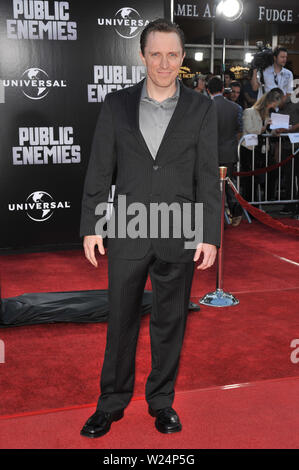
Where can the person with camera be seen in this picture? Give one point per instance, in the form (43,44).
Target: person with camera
(265,77)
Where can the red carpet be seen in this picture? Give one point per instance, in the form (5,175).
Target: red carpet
(53,366)
(249,263)
(262,415)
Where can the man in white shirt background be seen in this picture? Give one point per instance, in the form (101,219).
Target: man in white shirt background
(276,75)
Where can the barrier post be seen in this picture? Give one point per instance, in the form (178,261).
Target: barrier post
(219,298)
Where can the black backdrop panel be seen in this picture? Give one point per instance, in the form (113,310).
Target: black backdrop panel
(57,62)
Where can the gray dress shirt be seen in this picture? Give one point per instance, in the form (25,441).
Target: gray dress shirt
(154,117)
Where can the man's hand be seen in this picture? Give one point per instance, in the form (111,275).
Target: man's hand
(254,80)
(268,121)
(279,131)
(89,244)
(209,255)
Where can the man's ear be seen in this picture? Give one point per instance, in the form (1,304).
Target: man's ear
(183,57)
(142,57)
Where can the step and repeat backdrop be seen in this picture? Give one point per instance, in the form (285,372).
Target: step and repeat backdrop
(58,60)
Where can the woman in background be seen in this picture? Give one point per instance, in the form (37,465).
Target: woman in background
(256,121)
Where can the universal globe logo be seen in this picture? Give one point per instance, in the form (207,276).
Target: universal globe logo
(128,26)
(34,80)
(34,83)
(127,22)
(39,206)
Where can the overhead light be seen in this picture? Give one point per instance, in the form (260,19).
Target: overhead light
(198,56)
(231,10)
(248,57)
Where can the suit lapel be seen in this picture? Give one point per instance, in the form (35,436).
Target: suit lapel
(133,101)
(184,101)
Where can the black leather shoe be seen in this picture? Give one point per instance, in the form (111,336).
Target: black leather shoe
(167,420)
(99,423)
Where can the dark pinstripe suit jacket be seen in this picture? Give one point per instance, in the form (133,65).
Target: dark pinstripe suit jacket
(185,169)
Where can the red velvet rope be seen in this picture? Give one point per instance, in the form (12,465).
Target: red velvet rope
(260,171)
(262,216)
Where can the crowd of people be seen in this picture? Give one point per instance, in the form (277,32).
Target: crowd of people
(245,107)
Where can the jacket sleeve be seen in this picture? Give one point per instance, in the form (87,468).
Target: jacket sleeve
(207,177)
(100,169)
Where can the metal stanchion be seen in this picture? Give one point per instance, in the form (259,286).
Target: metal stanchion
(219,298)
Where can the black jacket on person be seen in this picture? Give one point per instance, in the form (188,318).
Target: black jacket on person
(185,169)
(228,128)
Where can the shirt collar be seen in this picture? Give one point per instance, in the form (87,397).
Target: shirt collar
(144,93)
(217,94)
(272,70)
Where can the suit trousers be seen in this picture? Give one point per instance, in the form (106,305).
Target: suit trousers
(171,286)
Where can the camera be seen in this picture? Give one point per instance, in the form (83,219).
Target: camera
(263,58)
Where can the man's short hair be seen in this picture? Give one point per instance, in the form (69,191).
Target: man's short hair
(215,85)
(279,49)
(230,73)
(163,26)
(235,83)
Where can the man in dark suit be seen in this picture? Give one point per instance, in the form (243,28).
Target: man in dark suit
(229,117)
(160,138)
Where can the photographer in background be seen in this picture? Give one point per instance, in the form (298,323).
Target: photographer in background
(273,76)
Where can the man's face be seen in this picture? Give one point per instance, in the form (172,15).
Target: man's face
(163,57)
(235,93)
(281,59)
(200,85)
(227,79)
